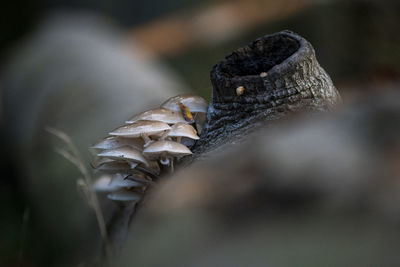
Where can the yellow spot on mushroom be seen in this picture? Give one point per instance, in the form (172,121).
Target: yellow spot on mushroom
(240,90)
(186,113)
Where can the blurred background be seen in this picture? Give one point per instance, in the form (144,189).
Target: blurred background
(85,66)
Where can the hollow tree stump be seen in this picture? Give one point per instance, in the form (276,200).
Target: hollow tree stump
(277,75)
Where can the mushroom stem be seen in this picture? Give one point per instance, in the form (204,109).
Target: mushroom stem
(146,139)
(179,139)
(164,160)
(132,164)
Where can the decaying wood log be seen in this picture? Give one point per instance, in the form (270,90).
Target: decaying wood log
(271,78)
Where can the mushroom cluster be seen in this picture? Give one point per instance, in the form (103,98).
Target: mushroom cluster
(137,153)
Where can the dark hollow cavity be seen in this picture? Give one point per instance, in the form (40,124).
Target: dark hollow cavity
(259,56)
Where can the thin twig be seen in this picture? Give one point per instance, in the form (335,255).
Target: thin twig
(74,158)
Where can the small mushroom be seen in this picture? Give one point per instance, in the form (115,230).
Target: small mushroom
(122,181)
(113,142)
(193,102)
(125,196)
(103,184)
(138,128)
(125,154)
(180,130)
(100,161)
(160,114)
(115,166)
(142,129)
(240,90)
(164,150)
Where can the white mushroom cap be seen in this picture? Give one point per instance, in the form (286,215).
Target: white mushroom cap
(166,148)
(121,180)
(103,184)
(193,102)
(183,130)
(139,128)
(125,195)
(100,161)
(113,142)
(124,154)
(160,114)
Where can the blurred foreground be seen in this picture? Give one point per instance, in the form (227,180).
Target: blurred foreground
(75,74)
(322,189)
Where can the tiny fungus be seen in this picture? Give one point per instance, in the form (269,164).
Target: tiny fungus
(165,149)
(160,114)
(137,129)
(240,90)
(125,196)
(189,104)
(124,154)
(112,142)
(193,102)
(180,130)
(103,184)
(129,159)
(143,129)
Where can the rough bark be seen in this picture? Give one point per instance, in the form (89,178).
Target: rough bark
(292,80)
